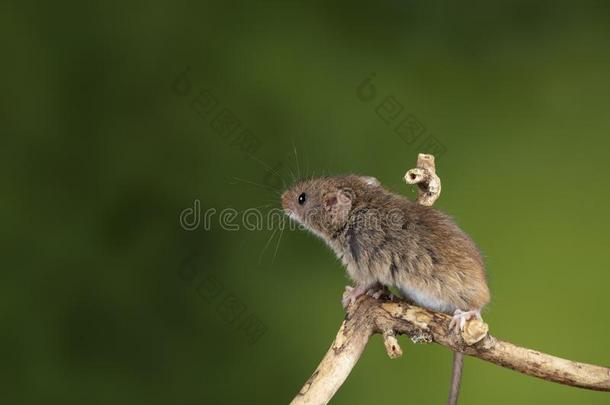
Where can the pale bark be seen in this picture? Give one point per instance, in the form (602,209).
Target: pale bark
(424,175)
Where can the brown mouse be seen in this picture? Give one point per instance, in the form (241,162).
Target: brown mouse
(387,240)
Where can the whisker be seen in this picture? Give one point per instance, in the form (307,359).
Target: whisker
(296,157)
(253,208)
(266,166)
(260,257)
(307,170)
(294,178)
(253,183)
(279,240)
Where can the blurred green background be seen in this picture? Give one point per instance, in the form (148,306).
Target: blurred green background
(107,299)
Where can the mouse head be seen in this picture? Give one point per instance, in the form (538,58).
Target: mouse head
(323,204)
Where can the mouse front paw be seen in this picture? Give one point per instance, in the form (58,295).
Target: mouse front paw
(351,294)
(376,291)
(380,291)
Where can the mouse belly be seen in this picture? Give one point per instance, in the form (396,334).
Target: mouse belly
(426,299)
(423,293)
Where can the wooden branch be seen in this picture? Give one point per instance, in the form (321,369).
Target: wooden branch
(424,175)
(389,318)
(338,362)
(368,316)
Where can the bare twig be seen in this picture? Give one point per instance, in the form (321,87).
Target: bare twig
(424,175)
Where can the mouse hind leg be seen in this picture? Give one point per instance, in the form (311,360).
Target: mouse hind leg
(461,317)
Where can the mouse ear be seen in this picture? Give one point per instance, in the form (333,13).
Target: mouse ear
(338,204)
(371,181)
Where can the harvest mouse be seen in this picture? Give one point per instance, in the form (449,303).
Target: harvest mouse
(387,240)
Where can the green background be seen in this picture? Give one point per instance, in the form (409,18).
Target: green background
(99,156)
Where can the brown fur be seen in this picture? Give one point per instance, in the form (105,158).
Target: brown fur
(382,237)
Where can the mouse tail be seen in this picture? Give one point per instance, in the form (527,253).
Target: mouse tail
(456,378)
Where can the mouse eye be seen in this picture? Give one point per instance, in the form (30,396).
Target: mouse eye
(302,198)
